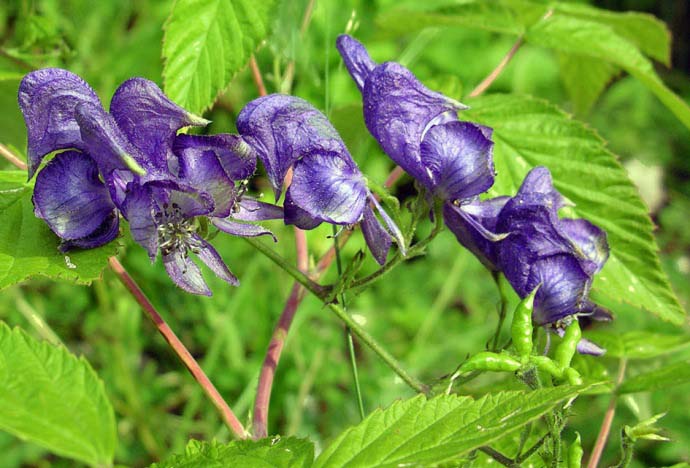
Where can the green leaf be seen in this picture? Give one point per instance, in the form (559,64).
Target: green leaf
(576,36)
(584,79)
(274,452)
(421,432)
(52,398)
(529,132)
(648,33)
(206,42)
(29,248)
(509,17)
(673,374)
(638,344)
(12,129)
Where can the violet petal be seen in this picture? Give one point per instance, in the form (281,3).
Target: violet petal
(48,98)
(70,197)
(356,58)
(185,273)
(251,209)
(377,239)
(241,229)
(106,232)
(237,158)
(212,259)
(458,158)
(149,119)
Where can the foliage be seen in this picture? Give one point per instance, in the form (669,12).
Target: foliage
(439,313)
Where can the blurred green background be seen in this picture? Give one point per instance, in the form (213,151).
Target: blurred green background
(430,312)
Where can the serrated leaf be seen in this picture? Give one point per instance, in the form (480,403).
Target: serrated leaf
(510,17)
(638,344)
(52,398)
(421,432)
(529,132)
(584,79)
(673,374)
(648,33)
(273,452)
(29,248)
(206,42)
(573,35)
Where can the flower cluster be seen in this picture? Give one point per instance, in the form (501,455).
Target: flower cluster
(522,236)
(131,161)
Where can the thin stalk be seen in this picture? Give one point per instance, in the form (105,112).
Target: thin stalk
(503,309)
(348,331)
(488,81)
(178,347)
(7,154)
(36,320)
(256,76)
(289,75)
(498,456)
(607,421)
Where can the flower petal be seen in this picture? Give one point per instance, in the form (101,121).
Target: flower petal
(296,216)
(398,110)
(459,160)
(329,188)
(241,229)
(377,239)
(356,58)
(251,209)
(70,197)
(107,145)
(212,259)
(283,129)
(237,158)
(563,291)
(139,208)
(485,213)
(106,232)
(48,99)
(393,228)
(149,119)
(588,239)
(184,273)
(202,170)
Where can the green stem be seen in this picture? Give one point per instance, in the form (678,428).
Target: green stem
(313,287)
(348,332)
(498,456)
(367,339)
(501,312)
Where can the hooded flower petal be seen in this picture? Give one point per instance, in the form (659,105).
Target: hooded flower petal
(185,273)
(48,99)
(107,145)
(282,129)
(458,159)
(484,213)
(589,240)
(237,158)
(329,188)
(356,58)
(149,119)
(70,197)
(294,215)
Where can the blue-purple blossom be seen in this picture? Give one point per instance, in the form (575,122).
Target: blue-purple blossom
(326,186)
(420,131)
(560,256)
(132,161)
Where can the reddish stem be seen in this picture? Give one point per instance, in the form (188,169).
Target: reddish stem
(607,421)
(179,348)
(7,154)
(256,75)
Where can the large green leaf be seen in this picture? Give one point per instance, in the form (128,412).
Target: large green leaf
(12,129)
(206,42)
(421,432)
(529,132)
(28,247)
(274,452)
(584,79)
(673,374)
(619,39)
(53,398)
(577,36)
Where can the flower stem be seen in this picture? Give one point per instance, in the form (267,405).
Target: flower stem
(256,76)
(277,343)
(12,158)
(488,81)
(178,347)
(608,419)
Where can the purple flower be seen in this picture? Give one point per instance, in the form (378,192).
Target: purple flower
(560,256)
(419,129)
(327,186)
(132,161)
